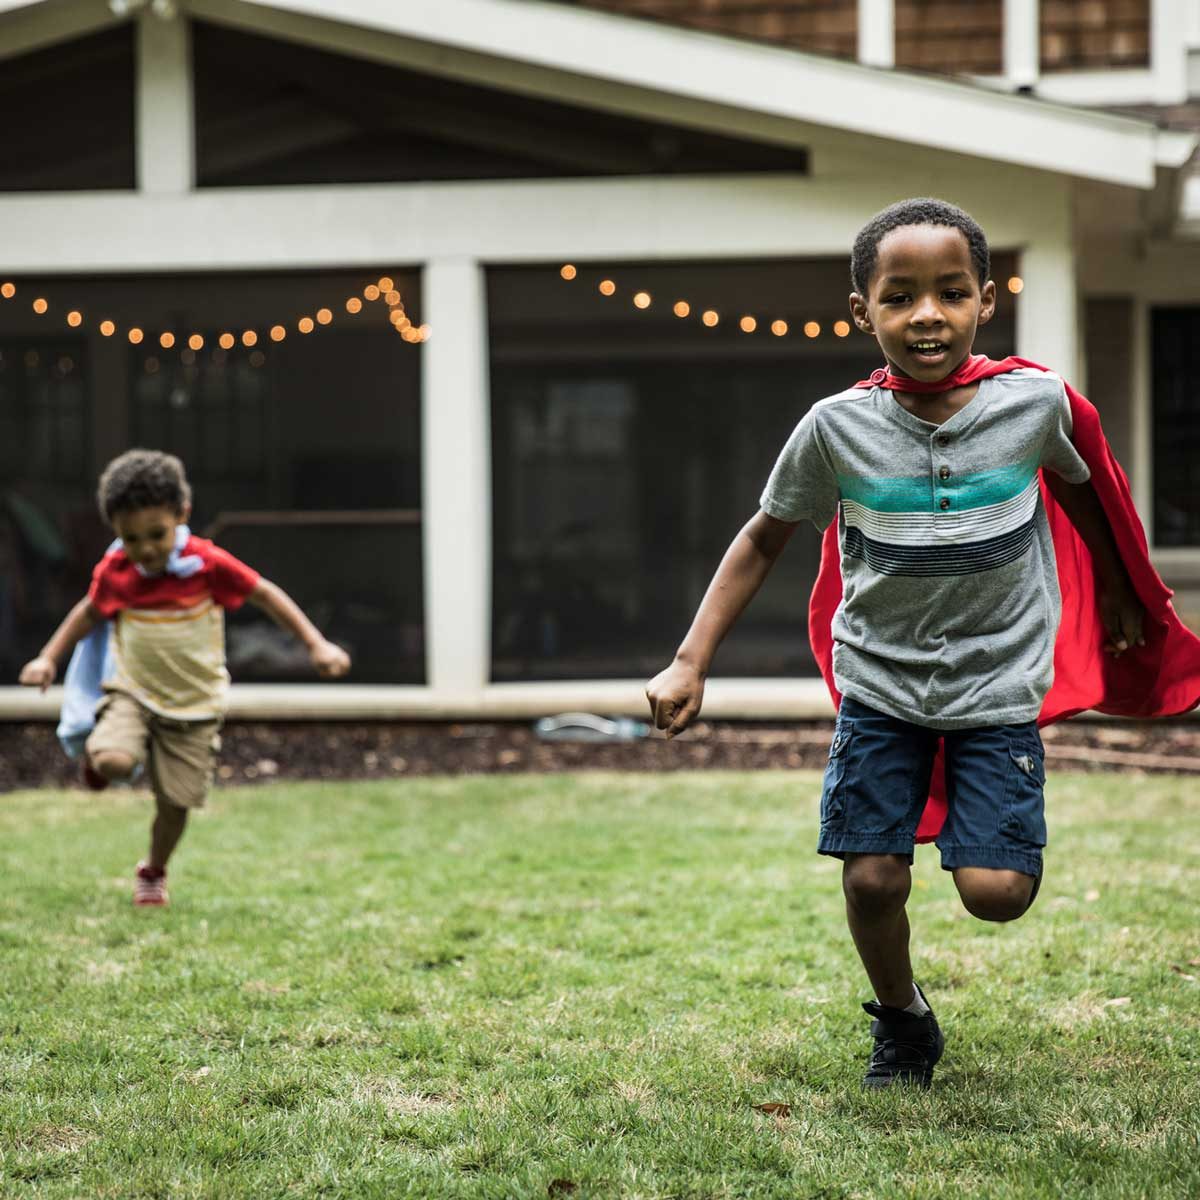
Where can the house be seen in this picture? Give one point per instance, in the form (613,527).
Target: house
(479,322)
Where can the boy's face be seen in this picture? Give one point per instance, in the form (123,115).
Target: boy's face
(148,535)
(924,302)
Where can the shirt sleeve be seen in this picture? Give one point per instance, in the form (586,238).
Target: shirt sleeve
(802,485)
(102,595)
(1058,451)
(229,579)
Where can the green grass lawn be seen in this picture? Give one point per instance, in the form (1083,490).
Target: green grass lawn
(580,986)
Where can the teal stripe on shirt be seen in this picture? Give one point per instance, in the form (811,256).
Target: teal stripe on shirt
(915,494)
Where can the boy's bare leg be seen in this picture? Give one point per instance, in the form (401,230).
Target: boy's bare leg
(169,823)
(876,888)
(992,894)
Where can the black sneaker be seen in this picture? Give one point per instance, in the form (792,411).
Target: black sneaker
(906,1047)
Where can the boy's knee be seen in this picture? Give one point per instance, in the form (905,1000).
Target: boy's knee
(994,895)
(112,764)
(876,883)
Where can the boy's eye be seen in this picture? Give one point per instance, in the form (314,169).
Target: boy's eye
(954,294)
(896,298)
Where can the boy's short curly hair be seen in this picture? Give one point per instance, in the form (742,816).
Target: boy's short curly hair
(923,210)
(141,479)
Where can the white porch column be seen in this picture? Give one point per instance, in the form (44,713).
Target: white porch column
(877,33)
(456,478)
(1168,50)
(1022,52)
(164,131)
(1047,309)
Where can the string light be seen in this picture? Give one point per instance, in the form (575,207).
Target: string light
(710,317)
(748,324)
(568,271)
(682,308)
(1016,285)
(642,300)
(812,329)
(426,333)
(779,328)
(386,288)
(841,328)
(607,287)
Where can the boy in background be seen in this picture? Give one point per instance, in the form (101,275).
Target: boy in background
(166,592)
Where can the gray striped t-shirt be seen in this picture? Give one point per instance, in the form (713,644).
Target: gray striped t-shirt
(950,594)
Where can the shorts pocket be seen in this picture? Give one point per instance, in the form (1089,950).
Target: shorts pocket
(833,803)
(1023,816)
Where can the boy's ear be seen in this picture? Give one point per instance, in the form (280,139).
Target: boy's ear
(987,302)
(858,310)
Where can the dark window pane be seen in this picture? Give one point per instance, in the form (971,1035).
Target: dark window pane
(1176,350)
(66,115)
(303,454)
(630,446)
(274,112)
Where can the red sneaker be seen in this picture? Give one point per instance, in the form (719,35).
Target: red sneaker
(90,777)
(149,887)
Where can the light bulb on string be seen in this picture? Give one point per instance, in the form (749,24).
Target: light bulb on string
(779,328)
(607,287)
(226,341)
(40,306)
(196,342)
(249,338)
(354,305)
(710,317)
(386,283)
(8,290)
(812,329)
(305,324)
(748,324)
(392,298)
(642,300)
(681,308)
(107,328)
(278,333)
(841,328)
(74,318)
(1016,285)
(568,271)
(166,340)
(324,316)
(135,336)
(371,292)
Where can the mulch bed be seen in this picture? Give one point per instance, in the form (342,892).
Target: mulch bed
(256,751)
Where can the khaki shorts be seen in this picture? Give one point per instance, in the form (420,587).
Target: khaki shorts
(179,755)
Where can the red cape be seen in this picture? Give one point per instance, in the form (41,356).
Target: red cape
(1159,679)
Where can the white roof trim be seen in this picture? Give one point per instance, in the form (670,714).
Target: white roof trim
(771,80)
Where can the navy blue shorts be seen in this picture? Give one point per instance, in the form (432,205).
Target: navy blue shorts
(877,782)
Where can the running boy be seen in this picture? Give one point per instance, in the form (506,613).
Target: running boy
(950,600)
(166,592)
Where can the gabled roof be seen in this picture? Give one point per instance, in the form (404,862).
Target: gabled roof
(781,85)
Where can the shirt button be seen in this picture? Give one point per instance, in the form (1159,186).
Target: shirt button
(942,439)
(943,472)
(944,502)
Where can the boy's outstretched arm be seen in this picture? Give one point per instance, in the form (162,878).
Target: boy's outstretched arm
(330,660)
(1120,609)
(676,694)
(41,672)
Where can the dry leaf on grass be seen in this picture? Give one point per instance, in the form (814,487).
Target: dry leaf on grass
(1092,896)
(1118,1001)
(1182,973)
(774,1108)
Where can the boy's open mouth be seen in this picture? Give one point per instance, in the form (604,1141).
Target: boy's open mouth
(929,351)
